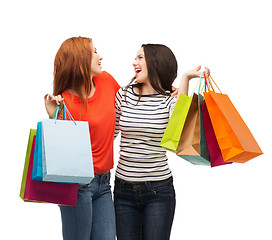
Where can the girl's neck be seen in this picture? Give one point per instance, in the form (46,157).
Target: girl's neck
(147,89)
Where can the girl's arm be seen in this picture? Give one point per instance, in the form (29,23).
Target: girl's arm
(118,98)
(187,76)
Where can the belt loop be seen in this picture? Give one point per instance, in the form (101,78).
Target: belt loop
(119,182)
(122,183)
(107,177)
(149,185)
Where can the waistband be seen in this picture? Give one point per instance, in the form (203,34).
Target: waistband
(102,177)
(103,173)
(141,185)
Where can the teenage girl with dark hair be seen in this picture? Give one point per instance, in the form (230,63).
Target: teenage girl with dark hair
(144,194)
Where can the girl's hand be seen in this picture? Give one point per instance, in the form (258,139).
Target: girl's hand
(51,101)
(175,92)
(192,73)
(195,73)
(187,76)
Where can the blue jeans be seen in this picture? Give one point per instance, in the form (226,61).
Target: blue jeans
(144,210)
(93,217)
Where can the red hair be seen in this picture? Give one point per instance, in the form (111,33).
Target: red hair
(72,67)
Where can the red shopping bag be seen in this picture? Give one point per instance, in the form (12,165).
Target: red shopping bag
(216,158)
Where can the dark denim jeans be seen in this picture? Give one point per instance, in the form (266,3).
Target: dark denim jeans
(93,217)
(144,210)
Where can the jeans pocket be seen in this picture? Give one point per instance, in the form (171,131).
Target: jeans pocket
(83,186)
(167,190)
(122,194)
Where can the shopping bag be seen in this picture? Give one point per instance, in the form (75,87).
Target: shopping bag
(37,172)
(67,155)
(216,158)
(29,153)
(38,191)
(235,140)
(192,144)
(171,136)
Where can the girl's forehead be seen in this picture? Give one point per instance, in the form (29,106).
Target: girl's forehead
(140,51)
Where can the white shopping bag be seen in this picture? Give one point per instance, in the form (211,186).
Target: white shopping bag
(67,154)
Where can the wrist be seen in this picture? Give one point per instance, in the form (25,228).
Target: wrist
(185,77)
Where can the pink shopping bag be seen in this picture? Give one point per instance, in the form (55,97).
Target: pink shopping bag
(50,192)
(214,150)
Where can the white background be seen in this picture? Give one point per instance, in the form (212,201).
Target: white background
(233,38)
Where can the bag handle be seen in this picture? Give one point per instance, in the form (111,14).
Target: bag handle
(199,83)
(65,111)
(208,82)
(57,112)
(68,113)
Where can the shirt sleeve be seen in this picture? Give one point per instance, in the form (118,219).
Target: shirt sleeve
(172,106)
(118,102)
(115,84)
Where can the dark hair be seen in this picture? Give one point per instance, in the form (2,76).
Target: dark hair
(162,69)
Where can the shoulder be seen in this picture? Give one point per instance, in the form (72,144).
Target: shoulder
(126,94)
(172,103)
(69,96)
(169,101)
(127,89)
(120,92)
(104,76)
(108,79)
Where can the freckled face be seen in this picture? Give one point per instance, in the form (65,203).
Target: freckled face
(140,67)
(96,68)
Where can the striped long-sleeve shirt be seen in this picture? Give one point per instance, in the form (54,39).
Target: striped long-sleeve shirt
(142,126)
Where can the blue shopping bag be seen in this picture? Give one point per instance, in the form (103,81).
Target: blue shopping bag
(37,172)
(66,150)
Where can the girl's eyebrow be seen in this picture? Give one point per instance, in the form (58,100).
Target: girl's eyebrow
(139,55)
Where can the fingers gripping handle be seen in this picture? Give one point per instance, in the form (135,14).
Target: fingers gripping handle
(63,108)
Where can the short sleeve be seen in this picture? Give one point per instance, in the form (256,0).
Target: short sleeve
(115,84)
(172,106)
(118,102)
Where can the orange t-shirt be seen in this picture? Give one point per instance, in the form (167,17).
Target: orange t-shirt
(101,117)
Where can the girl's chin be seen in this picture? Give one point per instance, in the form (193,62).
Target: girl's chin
(96,73)
(139,80)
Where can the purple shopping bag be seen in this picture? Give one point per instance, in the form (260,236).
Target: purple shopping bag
(50,192)
(214,150)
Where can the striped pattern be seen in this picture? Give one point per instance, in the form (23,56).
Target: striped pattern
(142,127)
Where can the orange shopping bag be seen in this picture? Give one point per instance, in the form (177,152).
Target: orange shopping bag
(235,140)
